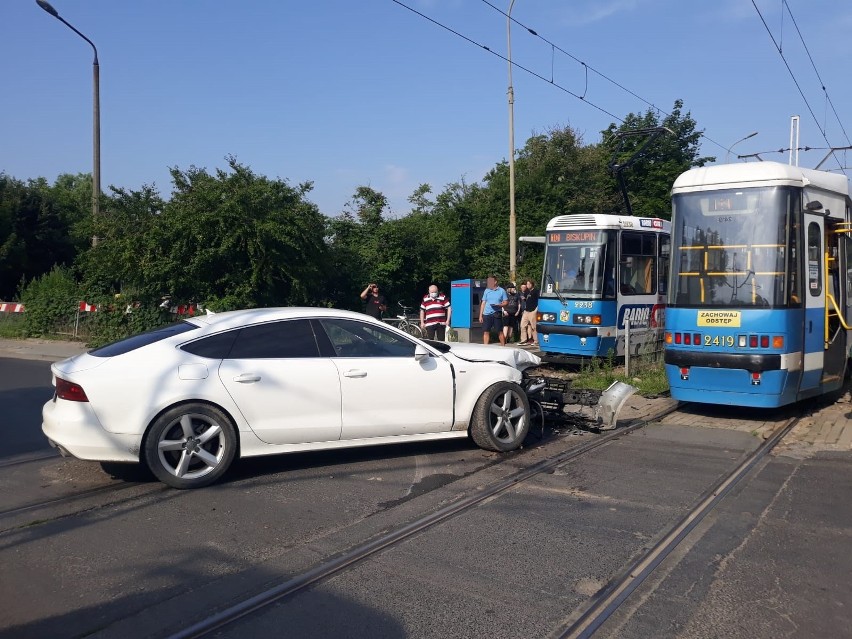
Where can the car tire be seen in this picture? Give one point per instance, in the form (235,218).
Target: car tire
(190,446)
(501,418)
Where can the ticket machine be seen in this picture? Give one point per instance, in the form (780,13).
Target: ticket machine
(465,298)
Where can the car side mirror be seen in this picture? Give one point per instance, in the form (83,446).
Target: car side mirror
(420,353)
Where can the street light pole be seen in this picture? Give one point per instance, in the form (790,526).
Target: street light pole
(728,154)
(96,115)
(511,93)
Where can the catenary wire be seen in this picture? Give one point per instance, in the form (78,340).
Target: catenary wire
(795,81)
(505,59)
(588,68)
(819,77)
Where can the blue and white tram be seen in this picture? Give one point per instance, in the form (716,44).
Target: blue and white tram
(601,274)
(759,299)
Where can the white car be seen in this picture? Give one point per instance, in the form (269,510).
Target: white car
(188,398)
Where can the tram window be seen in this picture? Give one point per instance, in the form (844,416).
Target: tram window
(665,252)
(638,263)
(814,259)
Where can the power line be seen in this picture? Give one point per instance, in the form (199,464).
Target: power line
(795,81)
(538,75)
(819,77)
(588,68)
(505,59)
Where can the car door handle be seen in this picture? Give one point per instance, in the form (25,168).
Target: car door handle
(355,373)
(247,378)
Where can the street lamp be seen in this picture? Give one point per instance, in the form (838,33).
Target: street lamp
(728,154)
(511,94)
(96,115)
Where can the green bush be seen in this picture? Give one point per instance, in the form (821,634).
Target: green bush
(112,321)
(51,302)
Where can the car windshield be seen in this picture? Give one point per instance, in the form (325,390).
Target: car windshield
(732,248)
(579,264)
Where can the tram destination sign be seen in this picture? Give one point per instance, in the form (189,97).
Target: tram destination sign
(585,237)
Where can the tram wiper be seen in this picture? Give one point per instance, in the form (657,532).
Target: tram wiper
(548,276)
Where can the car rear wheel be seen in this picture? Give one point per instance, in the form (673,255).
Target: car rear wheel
(190,446)
(501,418)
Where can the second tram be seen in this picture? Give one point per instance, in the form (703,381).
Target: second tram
(602,273)
(759,299)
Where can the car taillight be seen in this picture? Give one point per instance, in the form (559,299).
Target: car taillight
(70,391)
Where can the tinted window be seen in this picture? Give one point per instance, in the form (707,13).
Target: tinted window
(351,338)
(275,340)
(143,339)
(638,263)
(215,347)
(814,259)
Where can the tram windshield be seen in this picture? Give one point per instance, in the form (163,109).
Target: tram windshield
(580,264)
(734,248)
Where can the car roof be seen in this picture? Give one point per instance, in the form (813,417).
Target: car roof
(244,317)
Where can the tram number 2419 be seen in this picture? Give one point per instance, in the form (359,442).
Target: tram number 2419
(718,340)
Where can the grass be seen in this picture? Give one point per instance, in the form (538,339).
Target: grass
(647,375)
(12,326)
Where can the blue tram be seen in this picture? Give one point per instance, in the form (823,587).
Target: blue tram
(759,297)
(602,274)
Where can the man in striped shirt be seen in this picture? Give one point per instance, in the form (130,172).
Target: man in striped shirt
(435,314)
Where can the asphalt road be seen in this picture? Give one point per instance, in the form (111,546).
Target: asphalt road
(24,388)
(142,560)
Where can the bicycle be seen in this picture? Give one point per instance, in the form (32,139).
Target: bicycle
(408,322)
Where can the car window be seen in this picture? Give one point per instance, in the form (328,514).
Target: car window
(276,340)
(216,346)
(351,338)
(143,339)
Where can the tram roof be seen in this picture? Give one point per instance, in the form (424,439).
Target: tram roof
(744,175)
(607,221)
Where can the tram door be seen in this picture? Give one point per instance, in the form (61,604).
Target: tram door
(814,325)
(835,352)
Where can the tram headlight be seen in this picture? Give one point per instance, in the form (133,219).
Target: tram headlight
(546,317)
(594,320)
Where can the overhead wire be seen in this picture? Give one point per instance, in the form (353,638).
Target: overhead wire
(819,77)
(588,67)
(505,59)
(795,81)
(551,80)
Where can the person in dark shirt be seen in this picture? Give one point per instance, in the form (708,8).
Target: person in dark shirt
(528,318)
(374,302)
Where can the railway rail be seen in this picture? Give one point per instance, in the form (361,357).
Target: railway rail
(583,622)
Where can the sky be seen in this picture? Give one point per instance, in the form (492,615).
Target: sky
(343,93)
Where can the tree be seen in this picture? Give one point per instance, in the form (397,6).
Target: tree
(650,179)
(36,229)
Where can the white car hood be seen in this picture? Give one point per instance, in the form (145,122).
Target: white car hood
(515,357)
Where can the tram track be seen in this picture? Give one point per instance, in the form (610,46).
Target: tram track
(349,559)
(74,498)
(589,618)
(604,605)
(29,458)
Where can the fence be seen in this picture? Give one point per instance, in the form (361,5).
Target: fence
(643,349)
(82,323)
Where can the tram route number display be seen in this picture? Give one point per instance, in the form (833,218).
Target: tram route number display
(727,319)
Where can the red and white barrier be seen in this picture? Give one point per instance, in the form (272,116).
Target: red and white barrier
(87,308)
(11,307)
